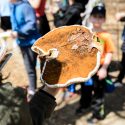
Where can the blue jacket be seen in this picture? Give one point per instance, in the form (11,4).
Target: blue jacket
(24,22)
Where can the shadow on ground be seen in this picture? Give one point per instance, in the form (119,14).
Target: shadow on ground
(114,102)
(114,66)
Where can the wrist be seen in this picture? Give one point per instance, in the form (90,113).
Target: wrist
(105,66)
(51,91)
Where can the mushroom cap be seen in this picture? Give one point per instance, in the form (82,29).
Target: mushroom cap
(71,55)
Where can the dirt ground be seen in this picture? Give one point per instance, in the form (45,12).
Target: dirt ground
(65,112)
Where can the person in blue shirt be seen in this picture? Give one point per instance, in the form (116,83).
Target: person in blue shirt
(24,29)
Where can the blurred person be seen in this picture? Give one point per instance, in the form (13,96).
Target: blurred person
(62,4)
(5,15)
(86,14)
(121,17)
(84,3)
(24,29)
(42,21)
(57,5)
(70,16)
(93,95)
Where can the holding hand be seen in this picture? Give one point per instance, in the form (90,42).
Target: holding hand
(14,34)
(9,33)
(120,15)
(102,73)
(51,91)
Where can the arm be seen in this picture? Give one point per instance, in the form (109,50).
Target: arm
(102,73)
(107,61)
(43,104)
(120,16)
(51,91)
(30,22)
(35,3)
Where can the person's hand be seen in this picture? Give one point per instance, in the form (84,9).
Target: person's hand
(51,91)
(102,73)
(120,15)
(14,34)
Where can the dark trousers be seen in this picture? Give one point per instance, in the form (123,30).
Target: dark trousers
(43,25)
(86,95)
(5,23)
(30,59)
(94,96)
(122,70)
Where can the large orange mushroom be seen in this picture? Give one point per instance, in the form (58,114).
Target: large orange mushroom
(71,55)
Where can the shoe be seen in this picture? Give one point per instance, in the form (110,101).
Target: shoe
(69,96)
(29,97)
(118,84)
(93,119)
(81,110)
